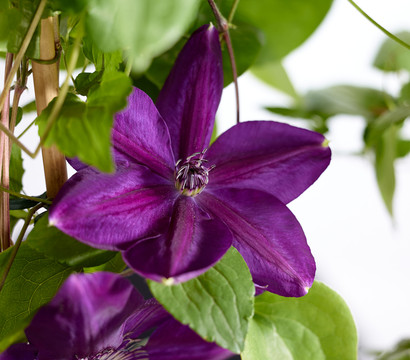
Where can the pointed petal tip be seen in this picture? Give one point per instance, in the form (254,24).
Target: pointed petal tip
(307,288)
(325,143)
(168,281)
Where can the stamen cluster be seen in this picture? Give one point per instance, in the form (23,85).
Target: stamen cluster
(191,176)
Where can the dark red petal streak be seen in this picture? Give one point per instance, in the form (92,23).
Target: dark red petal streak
(190,96)
(192,244)
(277,158)
(268,236)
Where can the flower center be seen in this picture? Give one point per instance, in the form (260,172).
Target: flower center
(191,176)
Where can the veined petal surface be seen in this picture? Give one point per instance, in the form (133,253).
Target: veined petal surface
(191,94)
(140,133)
(110,210)
(19,352)
(277,158)
(267,235)
(85,316)
(192,244)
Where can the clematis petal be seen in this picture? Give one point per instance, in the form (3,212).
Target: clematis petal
(148,315)
(20,352)
(174,341)
(192,244)
(84,317)
(277,158)
(140,132)
(109,210)
(268,236)
(190,96)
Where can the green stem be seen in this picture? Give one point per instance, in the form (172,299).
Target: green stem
(26,129)
(17,245)
(233,10)
(388,33)
(20,54)
(223,28)
(22,196)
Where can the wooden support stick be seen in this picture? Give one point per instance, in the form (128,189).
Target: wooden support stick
(46,89)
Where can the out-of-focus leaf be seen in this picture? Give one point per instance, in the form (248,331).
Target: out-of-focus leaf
(393,56)
(316,326)
(85,81)
(274,74)
(143,28)
(403,148)
(32,281)
(16,169)
(20,17)
(385,152)
(69,6)
(400,352)
(377,127)
(286,24)
(15,216)
(30,107)
(347,99)
(217,304)
(115,264)
(83,130)
(247,43)
(20,203)
(101,60)
(58,246)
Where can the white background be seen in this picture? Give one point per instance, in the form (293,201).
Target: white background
(360,251)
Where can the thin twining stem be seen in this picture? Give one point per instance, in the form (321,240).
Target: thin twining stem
(18,243)
(56,107)
(223,28)
(20,54)
(22,196)
(233,10)
(388,33)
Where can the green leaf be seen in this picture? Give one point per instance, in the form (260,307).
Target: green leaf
(85,81)
(379,126)
(217,304)
(385,155)
(403,147)
(316,326)
(286,24)
(392,56)
(143,28)
(347,99)
(84,129)
(17,203)
(247,43)
(101,60)
(274,74)
(33,280)
(63,248)
(115,264)
(400,352)
(69,6)
(16,169)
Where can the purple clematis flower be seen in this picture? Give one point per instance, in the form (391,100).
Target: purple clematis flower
(174,208)
(101,316)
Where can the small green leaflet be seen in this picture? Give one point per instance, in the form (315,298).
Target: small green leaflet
(83,129)
(217,304)
(32,282)
(318,326)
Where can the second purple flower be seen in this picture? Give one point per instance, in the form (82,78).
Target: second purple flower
(174,207)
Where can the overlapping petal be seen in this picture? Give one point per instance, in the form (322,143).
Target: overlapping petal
(84,317)
(168,340)
(191,94)
(192,244)
(140,132)
(109,210)
(20,352)
(268,236)
(274,157)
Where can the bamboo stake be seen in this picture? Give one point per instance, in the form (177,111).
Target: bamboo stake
(46,89)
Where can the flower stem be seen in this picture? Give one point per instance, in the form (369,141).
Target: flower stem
(18,243)
(388,33)
(223,28)
(22,196)
(45,78)
(5,241)
(233,10)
